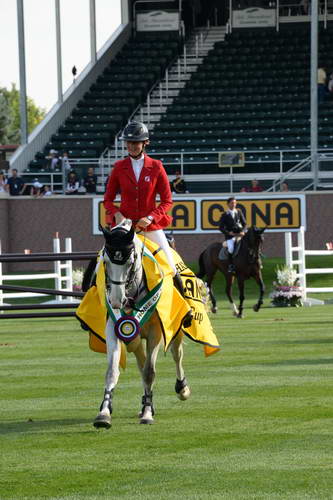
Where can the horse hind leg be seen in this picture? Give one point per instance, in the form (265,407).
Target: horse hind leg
(241,297)
(181,387)
(154,338)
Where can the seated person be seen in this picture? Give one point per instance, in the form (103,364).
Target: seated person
(73,184)
(255,187)
(53,160)
(90,181)
(178,185)
(35,189)
(47,191)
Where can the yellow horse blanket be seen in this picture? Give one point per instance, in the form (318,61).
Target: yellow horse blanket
(171,307)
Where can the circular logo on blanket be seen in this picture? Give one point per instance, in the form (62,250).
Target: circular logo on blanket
(127,328)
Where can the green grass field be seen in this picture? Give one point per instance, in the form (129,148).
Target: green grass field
(257,426)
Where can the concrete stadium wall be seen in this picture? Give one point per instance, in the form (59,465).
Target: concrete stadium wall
(32,223)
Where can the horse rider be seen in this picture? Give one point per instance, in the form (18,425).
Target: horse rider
(139,178)
(233,225)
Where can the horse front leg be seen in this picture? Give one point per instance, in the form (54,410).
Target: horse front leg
(209,283)
(148,377)
(103,419)
(241,297)
(181,387)
(261,284)
(228,290)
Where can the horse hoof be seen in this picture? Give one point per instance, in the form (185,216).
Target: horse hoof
(102,422)
(214,310)
(256,308)
(184,394)
(146,421)
(240,316)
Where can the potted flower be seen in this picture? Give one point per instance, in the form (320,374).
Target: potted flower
(286,290)
(77,277)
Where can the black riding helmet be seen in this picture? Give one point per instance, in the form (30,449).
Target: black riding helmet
(135,132)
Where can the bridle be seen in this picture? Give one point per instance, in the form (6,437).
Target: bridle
(254,242)
(120,256)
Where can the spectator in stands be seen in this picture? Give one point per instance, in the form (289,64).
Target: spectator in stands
(178,185)
(65,164)
(47,191)
(53,160)
(330,86)
(255,187)
(321,79)
(284,186)
(139,179)
(16,184)
(3,184)
(304,5)
(90,181)
(73,183)
(35,189)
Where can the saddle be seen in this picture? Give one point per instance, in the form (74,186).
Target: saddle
(224,254)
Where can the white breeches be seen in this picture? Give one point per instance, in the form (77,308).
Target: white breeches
(231,244)
(159,237)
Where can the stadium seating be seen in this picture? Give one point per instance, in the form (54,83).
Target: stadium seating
(114,96)
(252,92)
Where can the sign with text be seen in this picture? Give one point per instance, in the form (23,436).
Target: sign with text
(201,214)
(253,17)
(157,20)
(273,213)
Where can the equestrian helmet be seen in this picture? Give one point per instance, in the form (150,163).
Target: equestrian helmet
(135,132)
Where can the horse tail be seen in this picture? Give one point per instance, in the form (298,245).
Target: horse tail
(202,270)
(88,276)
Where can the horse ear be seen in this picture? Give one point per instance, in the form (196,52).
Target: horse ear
(128,238)
(101,228)
(105,230)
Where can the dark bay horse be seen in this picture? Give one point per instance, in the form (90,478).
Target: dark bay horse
(247,265)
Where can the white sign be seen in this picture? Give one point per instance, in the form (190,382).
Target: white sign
(157,20)
(253,17)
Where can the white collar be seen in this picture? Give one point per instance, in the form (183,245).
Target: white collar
(136,160)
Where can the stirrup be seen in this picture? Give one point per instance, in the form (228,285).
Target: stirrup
(231,268)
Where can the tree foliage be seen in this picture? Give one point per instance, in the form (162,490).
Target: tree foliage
(10,115)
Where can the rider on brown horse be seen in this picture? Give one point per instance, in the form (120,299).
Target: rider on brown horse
(233,225)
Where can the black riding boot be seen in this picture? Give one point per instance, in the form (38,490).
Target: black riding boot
(177,281)
(231,266)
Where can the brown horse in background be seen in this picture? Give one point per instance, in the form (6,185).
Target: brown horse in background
(247,265)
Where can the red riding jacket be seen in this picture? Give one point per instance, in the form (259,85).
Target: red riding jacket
(138,199)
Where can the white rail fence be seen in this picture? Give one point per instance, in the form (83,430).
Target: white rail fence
(62,275)
(300,261)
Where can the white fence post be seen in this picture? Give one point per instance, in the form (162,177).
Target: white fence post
(287,246)
(300,261)
(1,281)
(56,275)
(57,268)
